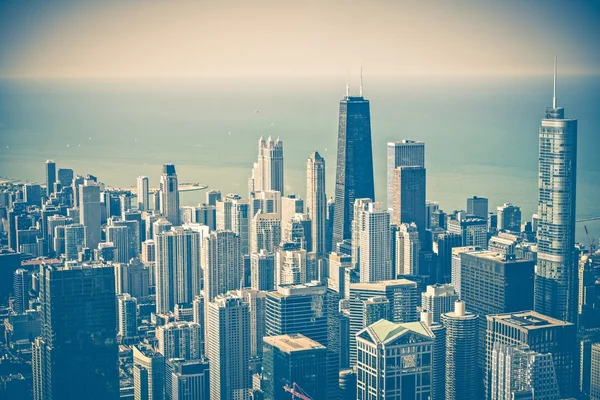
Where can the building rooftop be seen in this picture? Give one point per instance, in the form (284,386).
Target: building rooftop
(384,330)
(308,288)
(528,320)
(291,343)
(382,285)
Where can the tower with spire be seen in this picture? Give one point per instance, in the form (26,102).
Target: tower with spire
(556,272)
(267,173)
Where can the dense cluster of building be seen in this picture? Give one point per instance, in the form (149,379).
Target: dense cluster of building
(128,294)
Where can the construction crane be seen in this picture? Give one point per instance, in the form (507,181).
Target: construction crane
(591,244)
(296,391)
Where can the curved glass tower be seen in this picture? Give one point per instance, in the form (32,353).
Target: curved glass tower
(556,272)
(354,169)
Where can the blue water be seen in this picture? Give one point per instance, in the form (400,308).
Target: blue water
(480,134)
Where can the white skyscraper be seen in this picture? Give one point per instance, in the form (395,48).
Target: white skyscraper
(290,206)
(221,263)
(180,340)
(295,266)
(143,198)
(438,300)
(256,300)
(371,241)
(169,194)
(265,232)
(89,200)
(408,247)
(316,201)
(228,320)
(148,372)
(267,173)
(406,153)
(178,273)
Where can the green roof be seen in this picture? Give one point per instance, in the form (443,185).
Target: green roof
(385,329)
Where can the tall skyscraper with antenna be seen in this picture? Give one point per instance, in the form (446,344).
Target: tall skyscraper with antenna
(556,272)
(354,171)
(169,194)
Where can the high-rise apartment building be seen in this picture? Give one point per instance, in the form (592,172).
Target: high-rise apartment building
(79,330)
(228,347)
(178,272)
(180,340)
(74,240)
(555,280)
(371,241)
(89,206)
(262,270)
(143,194)
(394,361)
(290,206)
(169,194)
(354,167)
(267,173)
(406,153)
(438,300)
(148,373)
(119,237)
(127,314)
(265,232)
(542,334)
(408,250)
(462,330)
(212,196)
(293,360)
(187,379)
(316,202)
(221,263)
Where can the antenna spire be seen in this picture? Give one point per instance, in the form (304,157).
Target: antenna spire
(554,96)
(347,85)
(361,85)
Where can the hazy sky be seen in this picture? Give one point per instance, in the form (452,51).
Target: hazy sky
(227,38)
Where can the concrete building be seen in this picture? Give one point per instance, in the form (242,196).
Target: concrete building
(406,153)
(169,194)
(187,379)
(409,196)
(143,194)
(148,373)
(127,314)
(267,173)
(89,207)
(477,206)
(438,300)
(408,250)
(316,202)
(509,218)
(180,340)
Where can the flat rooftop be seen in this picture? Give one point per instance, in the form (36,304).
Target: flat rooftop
(291,343)
(529,320)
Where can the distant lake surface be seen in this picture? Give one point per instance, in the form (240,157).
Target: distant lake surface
(481,134)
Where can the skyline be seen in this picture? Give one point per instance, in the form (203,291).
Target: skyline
(189,40)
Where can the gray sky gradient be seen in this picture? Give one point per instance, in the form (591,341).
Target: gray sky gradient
(262,38)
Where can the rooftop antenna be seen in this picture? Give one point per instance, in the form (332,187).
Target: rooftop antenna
(361,87)
(347,85)
(554,97)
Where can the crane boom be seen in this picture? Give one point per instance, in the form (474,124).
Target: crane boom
(295,393)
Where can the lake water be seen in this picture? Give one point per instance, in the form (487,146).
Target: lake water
(481,134)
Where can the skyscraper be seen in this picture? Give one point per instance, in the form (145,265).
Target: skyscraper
(143,196)
(119,237)
(65,176)
(371,241)
(509,218)
(408,249)
(354,168)
(229,348)
(221,263)
(169,194)
(406,153)
(79,330)
(316,202)
(127,314)
(21,285)
(180,340)
(74,240)
(267,173)
(212,196)
(477,206)
(408,197)
(461,353)
(178,273)
(555,280)
(265,232)
(262,270)
(89,205)
(50,177)
(595,373)
(148,373)
(438,300)
(542,334)
(187,380)
(294,359)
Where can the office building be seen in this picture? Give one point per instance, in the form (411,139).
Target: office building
(438,299)
(267,173)
(53,222)
(180,340)
(148,373)
(595,373)
(65,176)
(212,196)
(290,206)
(406,153)
(240,222)
(338,264)
(79,327)
(542,334)
(294,266)
(127,313)
(472,229)
(228,348)
(401,294)
(187,379)
(376,308)
(74,241)
(394,361)
(509,218)
(371,241)
(89,206)
(438,356)
(354,166)
(588,304)
(408,198)
(517,373)
(462,334)
(408,250)
(316,202)
(143,193)
(294,360)
(169,194)
(21,285)
(50,177)
(477,206)
(221,263)
(265,232)
(178,273)
(262,270)
(206,215)
(555,280)
(256,300)
(32,194)
(132,278)
(119,237)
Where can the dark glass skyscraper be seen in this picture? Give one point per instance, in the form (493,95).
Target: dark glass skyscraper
(556,272)
(76,356)
(50,177)
(354,170)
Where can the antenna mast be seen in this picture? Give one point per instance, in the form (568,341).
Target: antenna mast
(361,85)
(554,96)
